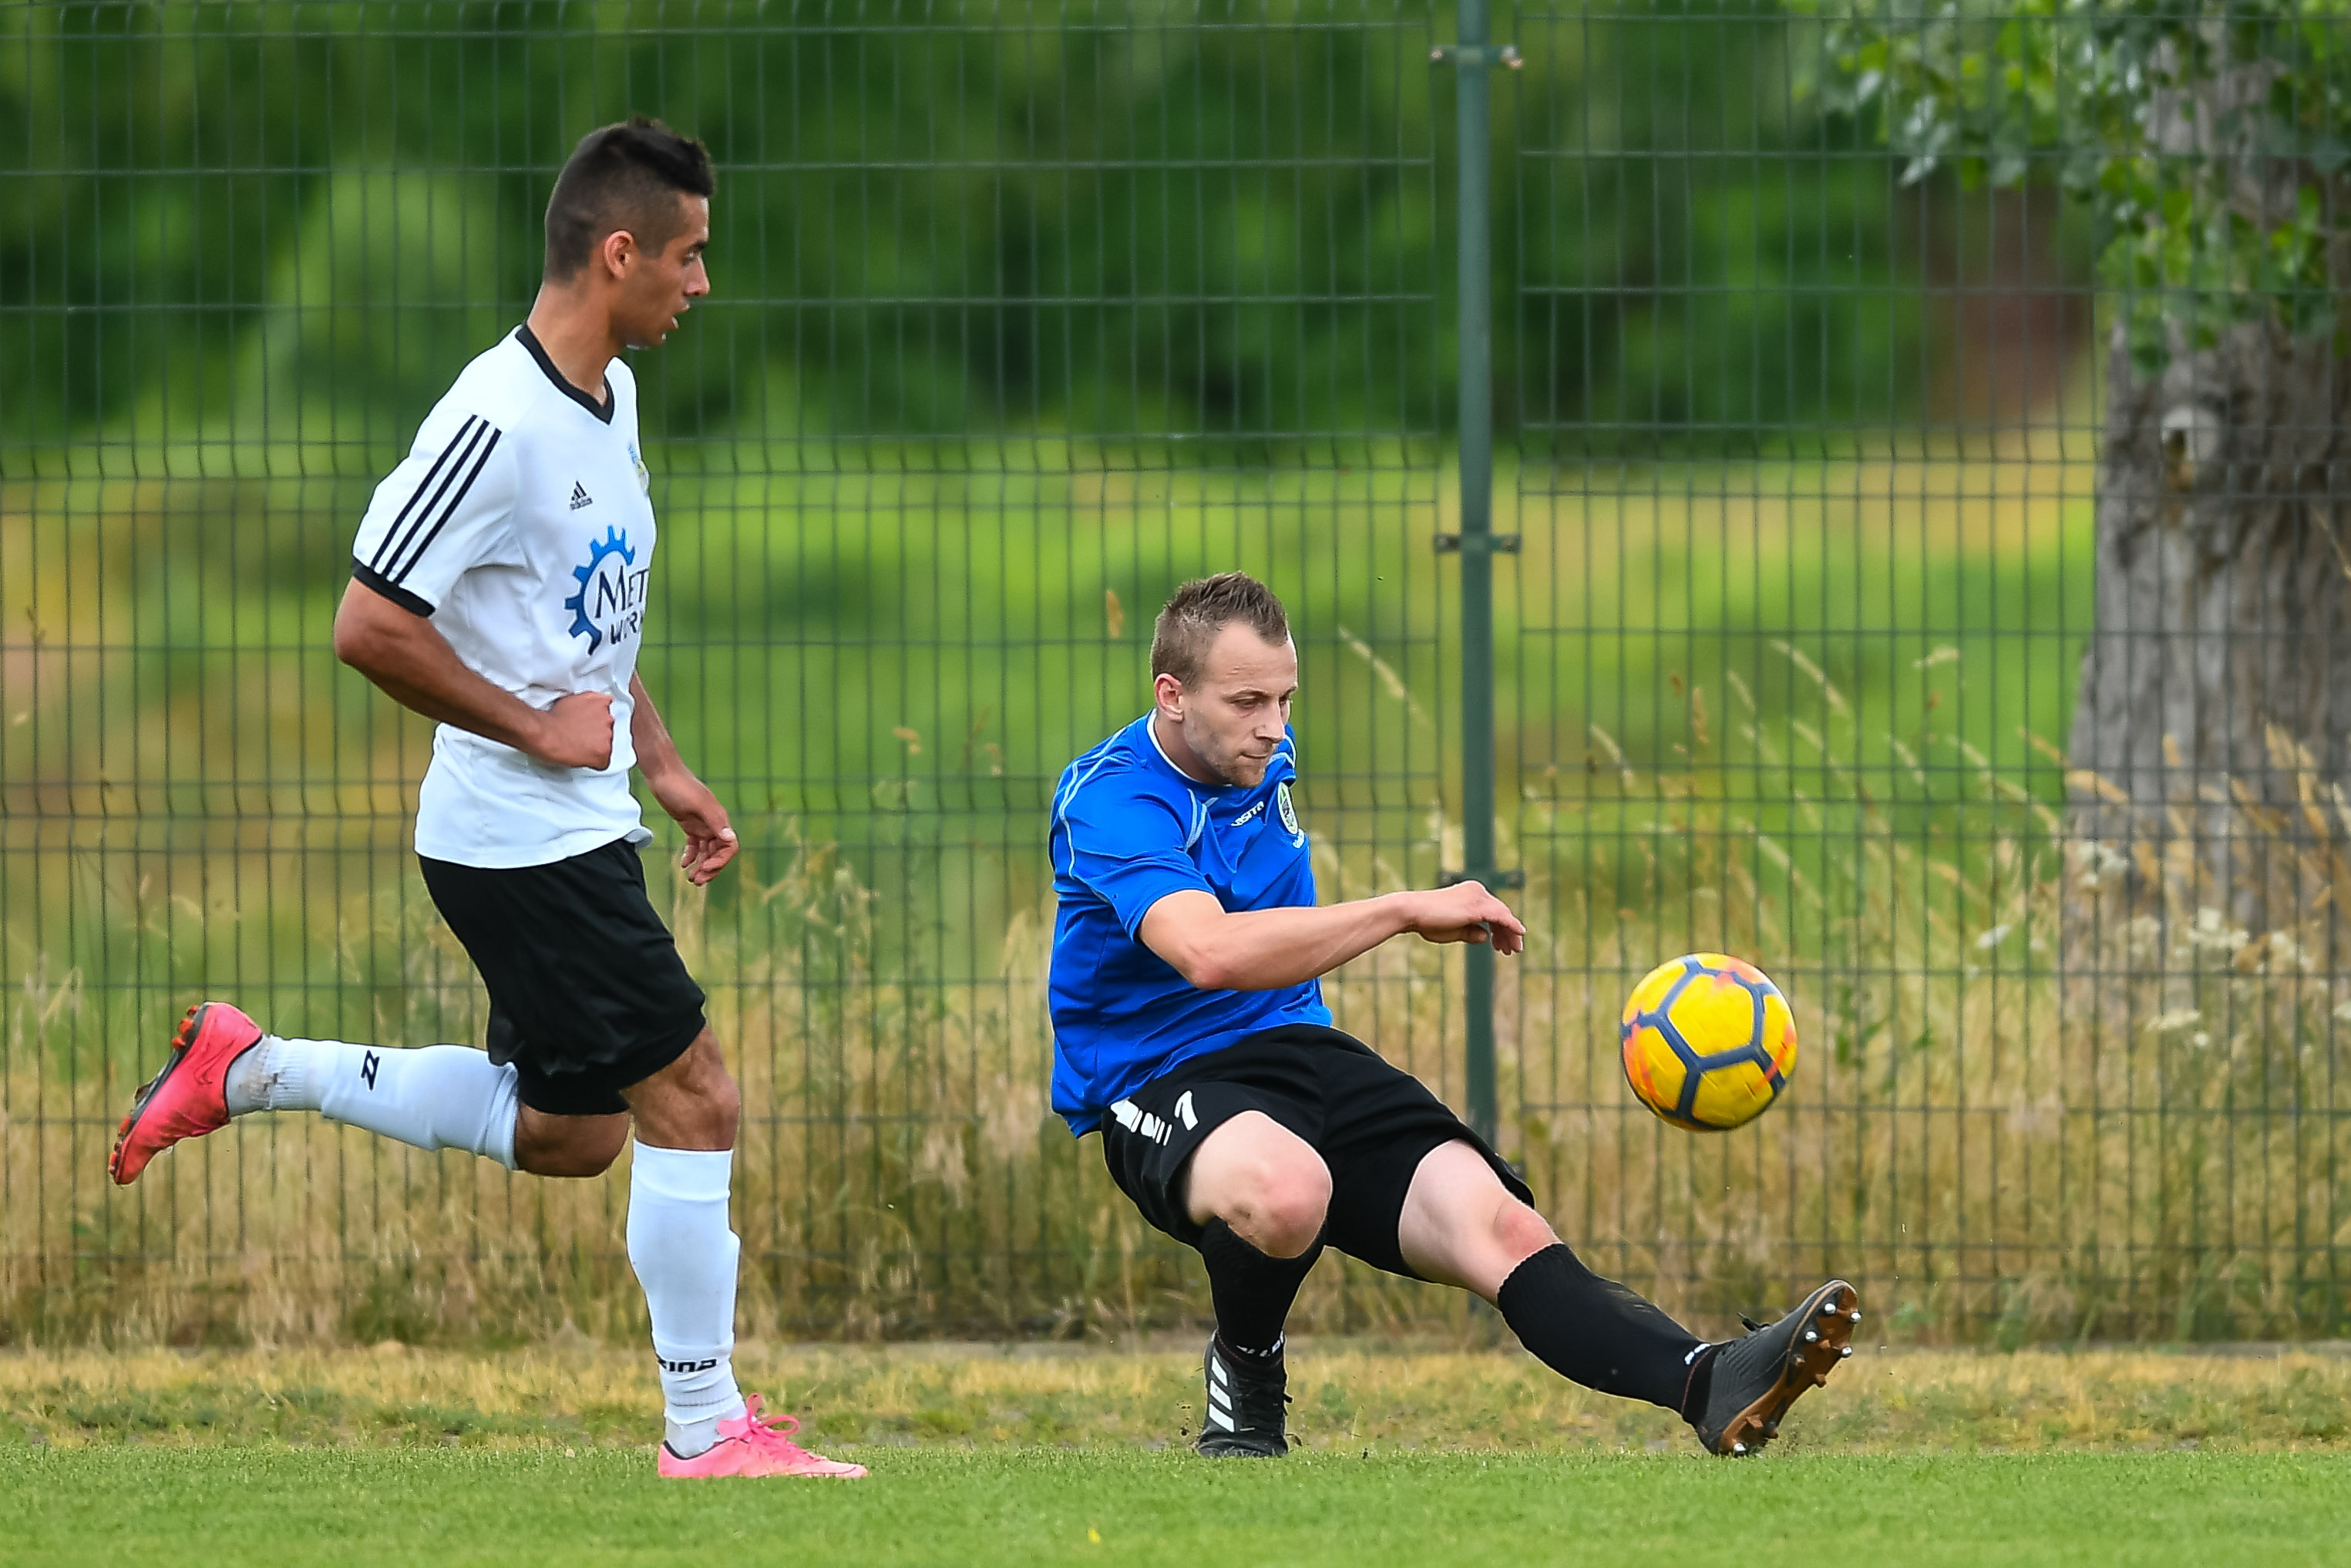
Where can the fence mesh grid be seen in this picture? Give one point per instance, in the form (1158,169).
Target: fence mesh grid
(1024,313)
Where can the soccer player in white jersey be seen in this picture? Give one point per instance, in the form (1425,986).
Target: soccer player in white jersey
(499,586)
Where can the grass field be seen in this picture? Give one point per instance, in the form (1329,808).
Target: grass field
(1053,1506)
(1046,1455)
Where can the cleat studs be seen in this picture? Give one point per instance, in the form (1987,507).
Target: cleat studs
(1829,1308)
(1846,1354)
(1737,1449)
(1812,1337)
(1854,1314)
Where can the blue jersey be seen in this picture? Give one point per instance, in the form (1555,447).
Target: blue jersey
(1129,829)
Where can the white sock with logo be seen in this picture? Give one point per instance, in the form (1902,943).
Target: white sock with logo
(685,1253)
(438,1097)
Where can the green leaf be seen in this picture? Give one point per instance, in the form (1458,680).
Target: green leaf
(2000,87)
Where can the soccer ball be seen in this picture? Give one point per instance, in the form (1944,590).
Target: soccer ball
(1709,1041)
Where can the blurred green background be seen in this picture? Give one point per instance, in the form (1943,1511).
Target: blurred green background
(1022,315)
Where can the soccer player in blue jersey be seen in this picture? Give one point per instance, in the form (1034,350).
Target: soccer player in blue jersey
(1189,1027)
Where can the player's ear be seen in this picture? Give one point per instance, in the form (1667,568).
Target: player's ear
(616,251)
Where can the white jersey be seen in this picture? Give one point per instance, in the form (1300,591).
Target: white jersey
(520,522)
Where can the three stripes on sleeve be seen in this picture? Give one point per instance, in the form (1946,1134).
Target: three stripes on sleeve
(427,513)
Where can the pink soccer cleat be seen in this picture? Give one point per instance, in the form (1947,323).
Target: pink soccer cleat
(189,1098)
(752,1446)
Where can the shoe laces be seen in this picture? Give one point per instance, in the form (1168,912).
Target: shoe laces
(764,1431)
(1259,1392)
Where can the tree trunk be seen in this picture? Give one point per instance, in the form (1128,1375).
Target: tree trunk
(2212,739)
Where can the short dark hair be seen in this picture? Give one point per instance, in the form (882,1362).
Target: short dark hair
(1188,626)
(624,176)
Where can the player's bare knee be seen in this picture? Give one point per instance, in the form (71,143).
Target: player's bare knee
(708,1121)
(691,1103)
(1291,1206)
(1519,1231)
(722,1102)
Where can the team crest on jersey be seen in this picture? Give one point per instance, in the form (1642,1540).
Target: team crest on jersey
(611,604)
(1288,812)
(644,474)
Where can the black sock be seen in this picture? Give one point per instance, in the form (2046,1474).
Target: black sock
(1597,1332)
(1252,1291)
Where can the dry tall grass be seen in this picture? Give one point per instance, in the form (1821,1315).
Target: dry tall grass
(1350,1393)
(2040,1098)
(2050,1089)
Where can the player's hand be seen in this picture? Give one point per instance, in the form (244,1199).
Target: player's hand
(710,843)
(1466,911)
(576,732)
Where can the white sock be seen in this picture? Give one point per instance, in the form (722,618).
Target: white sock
(684,1252)
(441,1096)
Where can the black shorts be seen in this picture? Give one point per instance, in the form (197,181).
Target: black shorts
(1373,1123)
(587,995)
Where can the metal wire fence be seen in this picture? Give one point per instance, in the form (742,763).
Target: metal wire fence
(1024,313)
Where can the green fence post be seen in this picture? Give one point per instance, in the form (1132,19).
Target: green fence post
(1476,542)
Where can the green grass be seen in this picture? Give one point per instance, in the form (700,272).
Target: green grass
(1052,1506)
(987,1454)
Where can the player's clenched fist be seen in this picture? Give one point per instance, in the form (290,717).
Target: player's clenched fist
(1466,911)
(576,732)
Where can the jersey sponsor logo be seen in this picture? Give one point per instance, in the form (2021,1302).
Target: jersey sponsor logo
(579,496)
(1288,812)
(611,604)
(1249,816)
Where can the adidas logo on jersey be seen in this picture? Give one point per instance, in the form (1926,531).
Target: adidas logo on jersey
(579,496)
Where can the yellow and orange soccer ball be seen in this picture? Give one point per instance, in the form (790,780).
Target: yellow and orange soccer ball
(1709,1041)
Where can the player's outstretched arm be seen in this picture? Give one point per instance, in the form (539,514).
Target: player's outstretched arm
(400,652)
(1262,949)
(710,843)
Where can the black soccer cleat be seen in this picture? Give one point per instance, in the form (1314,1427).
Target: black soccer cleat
(1758,1375)
(1245,1394)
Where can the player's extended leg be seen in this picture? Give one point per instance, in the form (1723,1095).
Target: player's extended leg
(1258,1192)
(224,1065)
(685,1253)
(1460,1226)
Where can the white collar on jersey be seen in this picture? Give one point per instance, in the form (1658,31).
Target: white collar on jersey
(1151,727)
